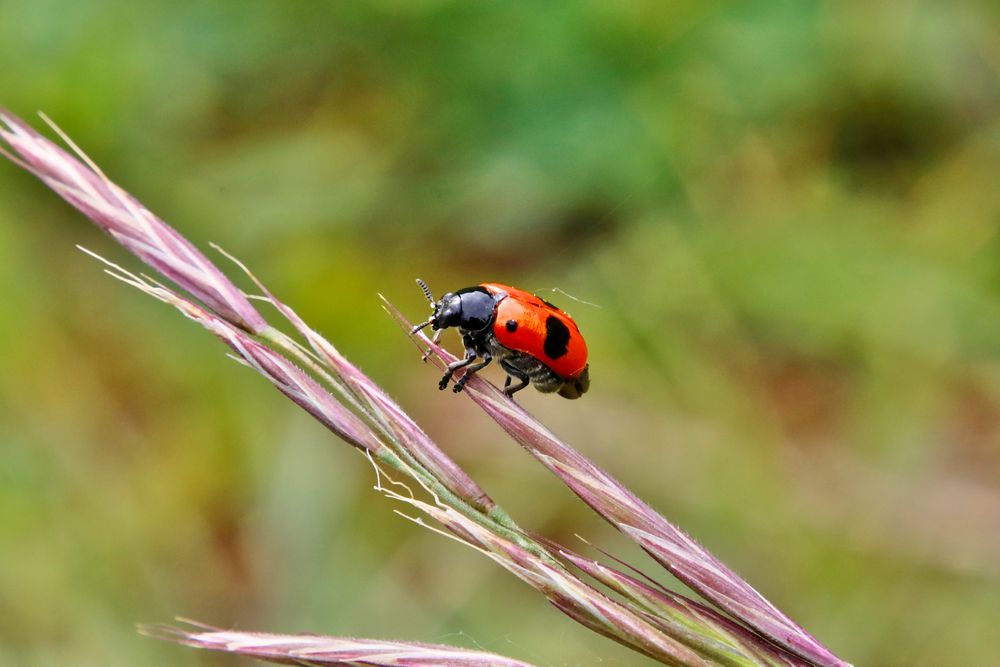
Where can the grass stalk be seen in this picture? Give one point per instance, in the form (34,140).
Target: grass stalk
(317,377)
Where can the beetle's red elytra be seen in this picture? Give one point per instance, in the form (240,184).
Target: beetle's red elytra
(533,341)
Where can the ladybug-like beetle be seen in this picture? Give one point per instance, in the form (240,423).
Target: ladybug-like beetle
(531,339)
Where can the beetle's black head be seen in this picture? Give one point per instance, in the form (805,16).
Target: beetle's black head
(447,312)
(470,309)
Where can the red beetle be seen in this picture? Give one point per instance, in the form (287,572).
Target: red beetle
(532,339)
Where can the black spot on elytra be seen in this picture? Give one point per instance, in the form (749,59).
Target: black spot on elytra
(556,337)
(511,326)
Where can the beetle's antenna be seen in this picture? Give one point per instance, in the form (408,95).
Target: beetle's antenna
(421,326)
(427,291)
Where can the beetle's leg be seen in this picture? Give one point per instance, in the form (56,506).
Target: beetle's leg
(436,339)
(515,372)
(470,356)
(475,368)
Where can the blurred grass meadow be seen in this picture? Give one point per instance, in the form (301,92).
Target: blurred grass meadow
(787,214)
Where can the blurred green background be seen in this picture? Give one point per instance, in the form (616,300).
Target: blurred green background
(787,213)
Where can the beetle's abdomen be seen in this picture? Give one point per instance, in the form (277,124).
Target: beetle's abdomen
(578,386)
(541,376)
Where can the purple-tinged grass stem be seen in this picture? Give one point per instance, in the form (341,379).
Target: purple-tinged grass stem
(647,618)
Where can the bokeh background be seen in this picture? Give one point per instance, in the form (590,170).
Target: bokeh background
(786,213)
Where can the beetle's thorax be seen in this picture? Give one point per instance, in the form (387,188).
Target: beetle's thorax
(472,310)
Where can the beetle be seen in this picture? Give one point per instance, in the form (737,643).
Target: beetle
(532,340)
